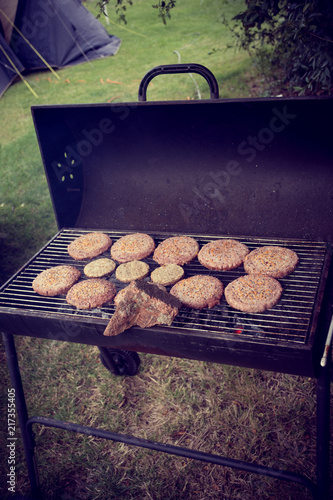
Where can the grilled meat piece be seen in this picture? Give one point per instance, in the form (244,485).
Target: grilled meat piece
(142,304)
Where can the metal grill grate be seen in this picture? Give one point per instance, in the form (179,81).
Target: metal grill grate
(289,320)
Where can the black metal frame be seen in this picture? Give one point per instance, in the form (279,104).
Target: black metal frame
(319,490)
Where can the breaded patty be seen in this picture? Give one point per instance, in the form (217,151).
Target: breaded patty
(198,291)
(89,245)
(253,293)
(273,261)
(176,250)
(91,293)
(56,280)
(222,255)
(135,246)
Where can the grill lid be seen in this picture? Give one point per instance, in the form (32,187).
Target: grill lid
(259,167)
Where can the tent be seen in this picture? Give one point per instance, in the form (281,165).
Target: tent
(44,34)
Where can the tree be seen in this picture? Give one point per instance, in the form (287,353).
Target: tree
(294,39)
(290,39)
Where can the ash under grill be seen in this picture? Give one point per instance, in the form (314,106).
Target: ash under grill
(290,320)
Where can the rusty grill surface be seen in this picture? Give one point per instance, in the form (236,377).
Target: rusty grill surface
(290,320)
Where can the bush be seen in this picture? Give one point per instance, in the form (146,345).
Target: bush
(294,37)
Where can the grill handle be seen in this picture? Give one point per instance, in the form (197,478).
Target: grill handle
(179,68)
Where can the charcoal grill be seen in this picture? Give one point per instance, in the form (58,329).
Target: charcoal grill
(257,170)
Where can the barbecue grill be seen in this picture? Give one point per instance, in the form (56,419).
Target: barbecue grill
(257,170)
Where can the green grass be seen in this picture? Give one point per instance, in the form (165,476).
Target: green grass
(245,414)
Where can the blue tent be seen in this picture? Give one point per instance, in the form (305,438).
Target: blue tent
(57,32)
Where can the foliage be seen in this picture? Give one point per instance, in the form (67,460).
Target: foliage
(164,9)
(121,8)
(296,39)
(290,40)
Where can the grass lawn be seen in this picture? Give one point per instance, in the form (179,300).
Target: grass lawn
(246,414)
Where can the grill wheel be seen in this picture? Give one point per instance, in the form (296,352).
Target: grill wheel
(119,362)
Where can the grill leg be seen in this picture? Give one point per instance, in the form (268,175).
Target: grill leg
(323,432)
(22,413)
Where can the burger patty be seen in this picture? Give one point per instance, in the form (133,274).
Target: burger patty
(222,255)
(198,291)
(253,293)
(89,245)
(134,246)
(176,250)
(91,293)
(56,280)
(271,261)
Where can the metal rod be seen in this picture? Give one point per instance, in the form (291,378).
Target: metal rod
(176,450)
(323,431)
(22,413)
(327,345)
